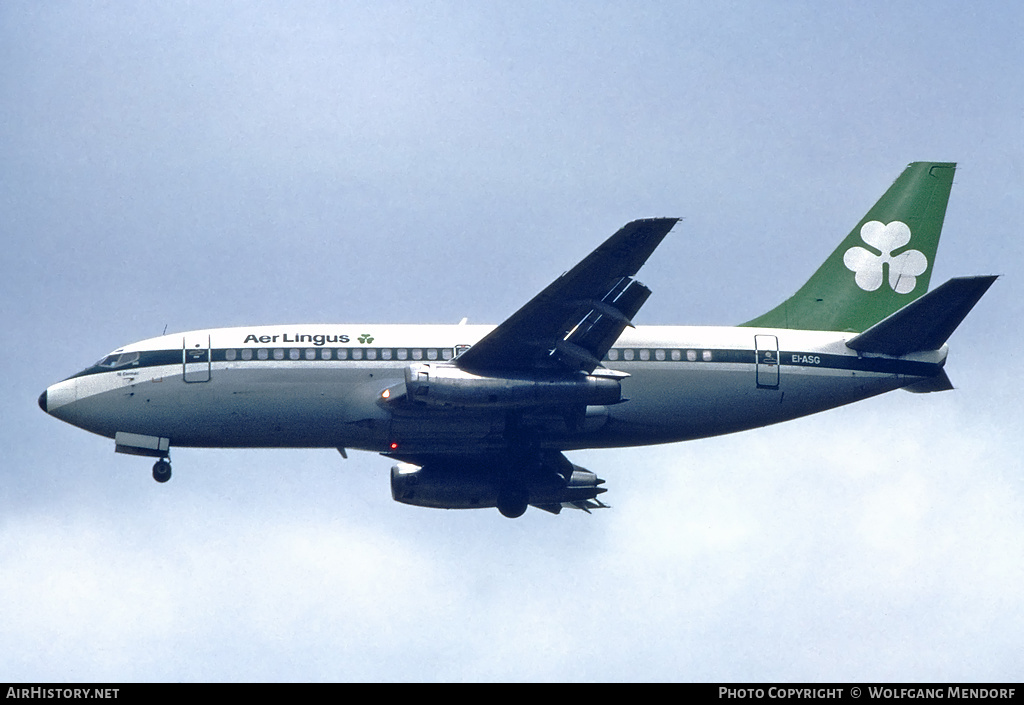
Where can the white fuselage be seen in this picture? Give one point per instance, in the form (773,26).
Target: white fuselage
(323,386)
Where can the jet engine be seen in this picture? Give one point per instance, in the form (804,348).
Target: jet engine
(460,483)
(447,385)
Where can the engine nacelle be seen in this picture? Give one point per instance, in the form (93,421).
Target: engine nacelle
(447,385)
(470,485)
(443,486)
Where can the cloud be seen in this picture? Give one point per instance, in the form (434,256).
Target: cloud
(879,541)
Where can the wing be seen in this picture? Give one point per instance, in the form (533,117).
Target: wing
(576,319)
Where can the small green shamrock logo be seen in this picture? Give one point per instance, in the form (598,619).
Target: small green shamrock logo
(366,339)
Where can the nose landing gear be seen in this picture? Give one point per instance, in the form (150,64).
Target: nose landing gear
(150,446)
(162,470)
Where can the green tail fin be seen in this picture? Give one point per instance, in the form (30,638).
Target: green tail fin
(882,265)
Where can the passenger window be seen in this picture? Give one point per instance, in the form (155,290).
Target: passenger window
(417,354)
(325,353)
(627,354)
(677,355)
(659,354)
(403,354)
(247,353)
(342,353)
(357,353)
(293,354)
(613,354)
(691,355)
(447,353)
(263,353)
(230,354)
(385,354)
(371,353)
(707,356)
(310,353)
(278,353)
(431,353)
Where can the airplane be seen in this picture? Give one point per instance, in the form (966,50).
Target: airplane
(481,416)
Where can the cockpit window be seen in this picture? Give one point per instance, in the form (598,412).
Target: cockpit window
(120,360)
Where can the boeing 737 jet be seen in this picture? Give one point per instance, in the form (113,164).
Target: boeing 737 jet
(481,416)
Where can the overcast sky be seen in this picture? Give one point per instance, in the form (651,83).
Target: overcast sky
(190,165)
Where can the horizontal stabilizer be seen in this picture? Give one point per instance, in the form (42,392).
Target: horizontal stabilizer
(924,324)
(938,383)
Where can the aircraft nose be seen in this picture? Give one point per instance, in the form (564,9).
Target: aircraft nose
(42,401)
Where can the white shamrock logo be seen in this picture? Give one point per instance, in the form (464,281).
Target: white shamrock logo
(904,268)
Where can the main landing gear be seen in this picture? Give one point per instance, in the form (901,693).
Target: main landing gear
(513,501)
(162,470)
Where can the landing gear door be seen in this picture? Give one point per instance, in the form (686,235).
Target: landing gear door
(195,356)
(767,352)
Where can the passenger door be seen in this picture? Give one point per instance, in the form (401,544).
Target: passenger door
(195,356)
(767,354)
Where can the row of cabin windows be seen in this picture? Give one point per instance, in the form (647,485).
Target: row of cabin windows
(659,354)
(340,354)
(643,354)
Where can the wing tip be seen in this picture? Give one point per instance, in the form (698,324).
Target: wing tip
(671,221)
